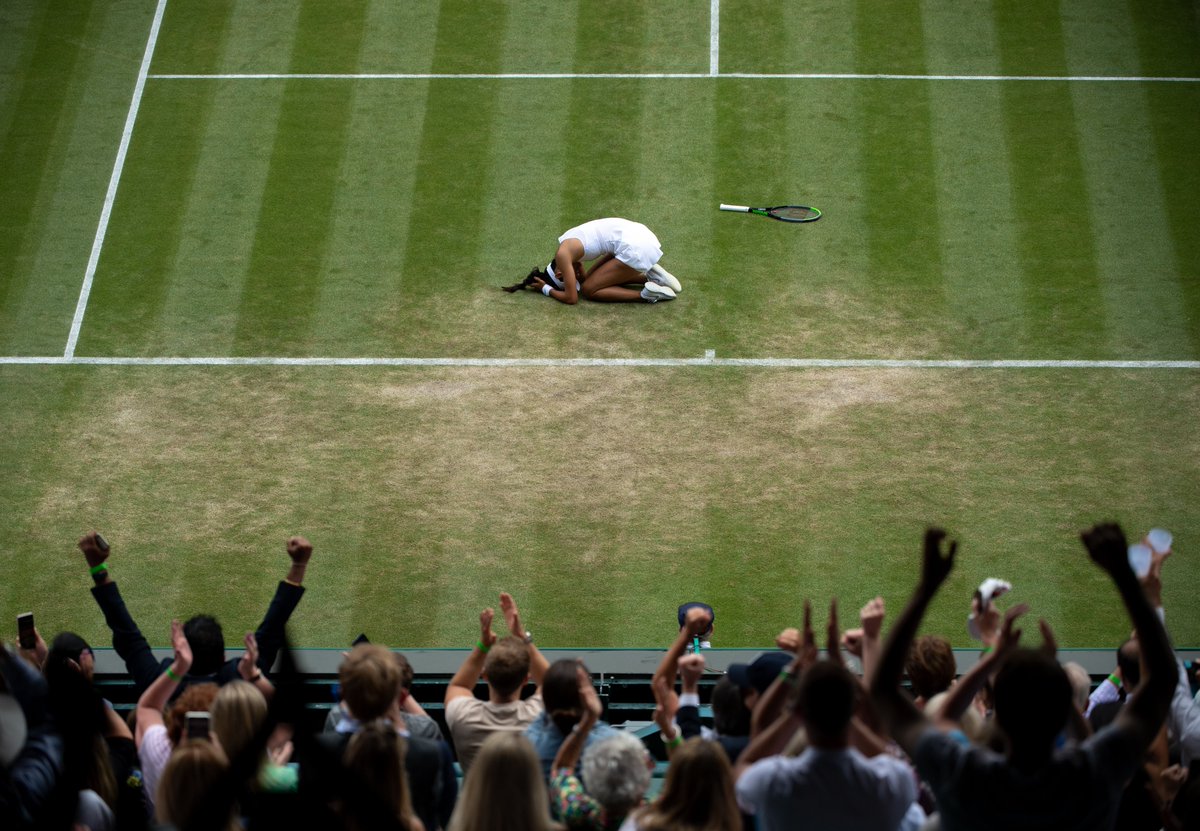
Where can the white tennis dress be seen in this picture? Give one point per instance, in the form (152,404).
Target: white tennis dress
(630,242)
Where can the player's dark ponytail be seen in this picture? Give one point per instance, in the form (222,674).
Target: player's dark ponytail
(535,274)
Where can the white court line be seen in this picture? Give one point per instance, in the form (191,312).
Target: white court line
(714,37)
(709,360)
(517,76)
(114,180)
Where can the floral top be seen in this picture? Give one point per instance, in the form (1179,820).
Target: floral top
(572,806)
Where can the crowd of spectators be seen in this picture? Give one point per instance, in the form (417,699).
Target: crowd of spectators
(870,733)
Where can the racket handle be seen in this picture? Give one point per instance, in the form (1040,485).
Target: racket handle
(741,208)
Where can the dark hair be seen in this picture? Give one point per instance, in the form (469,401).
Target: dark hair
(560,694)
(535,274)
(1129,659)
(204,635)
(826,697)
(406,671)
(79,713)
(1032,699)
(730,716)
(930,666)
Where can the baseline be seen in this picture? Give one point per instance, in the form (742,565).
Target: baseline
(709,359)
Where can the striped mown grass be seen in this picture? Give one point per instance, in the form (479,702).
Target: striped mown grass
(377,216)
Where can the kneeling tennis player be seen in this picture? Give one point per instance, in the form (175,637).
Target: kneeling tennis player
(624,266)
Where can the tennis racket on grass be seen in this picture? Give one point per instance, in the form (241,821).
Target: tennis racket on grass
(784,213)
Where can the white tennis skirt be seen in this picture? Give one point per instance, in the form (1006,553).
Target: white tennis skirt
(630,242)
(638,248)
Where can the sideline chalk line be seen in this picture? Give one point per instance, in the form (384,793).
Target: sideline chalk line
(709,360)
(114,180)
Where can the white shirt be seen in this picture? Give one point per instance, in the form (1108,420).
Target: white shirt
(630,242)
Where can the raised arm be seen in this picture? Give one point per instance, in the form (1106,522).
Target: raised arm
(870,618)
(963,693)
(537,661)
(695,624)
(569,752)
(770,704)
(899,716)
(154,699)
(1147,708)
(464,681)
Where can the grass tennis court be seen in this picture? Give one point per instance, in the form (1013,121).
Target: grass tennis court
(351,183)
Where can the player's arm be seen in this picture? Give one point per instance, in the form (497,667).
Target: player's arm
(569,252)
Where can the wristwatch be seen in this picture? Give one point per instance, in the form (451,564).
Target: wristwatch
(528,637)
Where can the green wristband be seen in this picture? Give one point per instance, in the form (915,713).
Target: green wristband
(1116,682)
(172,675)
(484,649)
(94,570)
(675,742)
(785,676)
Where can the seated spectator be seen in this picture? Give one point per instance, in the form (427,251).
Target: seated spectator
(754,678)
(238,713)
(99,751)
(375,759)
(1110,694)
(930,667)
(370,681)
(155,737)
(616,771)
(563,710)
(505,664)
(31,748)
(416,720)
(202,631)
(831,783)
(696,796)
(192,792)
(505,790)
(1030,786)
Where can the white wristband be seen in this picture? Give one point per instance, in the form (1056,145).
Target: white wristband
(546,289)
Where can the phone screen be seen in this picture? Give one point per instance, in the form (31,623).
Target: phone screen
(197,725)
(25,633)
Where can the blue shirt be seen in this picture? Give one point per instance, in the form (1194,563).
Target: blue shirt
(547,739)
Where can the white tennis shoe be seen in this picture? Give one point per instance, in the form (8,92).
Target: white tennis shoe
(653,292)
(660,276)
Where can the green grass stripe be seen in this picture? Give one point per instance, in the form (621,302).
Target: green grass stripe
(41,107)
(287,262)
(1168,38)
(1147,310)
(143,247)
(1064,306)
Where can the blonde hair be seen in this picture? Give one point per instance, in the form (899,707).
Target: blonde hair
(697,794)
(238,712)
(505,789)
(375,756)
(188,781)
